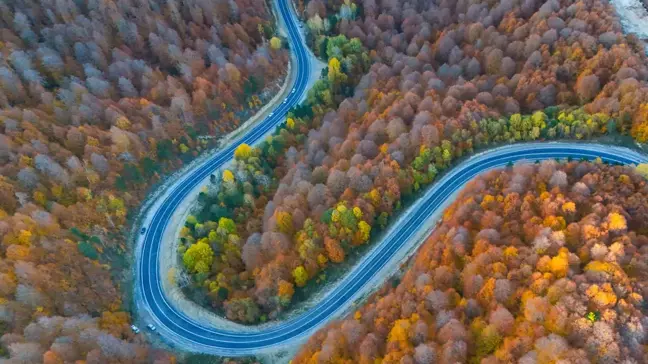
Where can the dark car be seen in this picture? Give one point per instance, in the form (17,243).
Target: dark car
(143,231)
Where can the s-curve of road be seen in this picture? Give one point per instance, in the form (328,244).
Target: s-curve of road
(184,331)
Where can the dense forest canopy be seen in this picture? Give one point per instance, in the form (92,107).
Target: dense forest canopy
(410,87)
(98,99)
(541,263)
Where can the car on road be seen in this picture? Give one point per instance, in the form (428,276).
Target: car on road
(151,327)
(143,231)
(293,91)
(272,113)
(135,329)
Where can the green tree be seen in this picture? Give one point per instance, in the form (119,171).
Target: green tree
(191,220)
(131,173)
(164,149)
(88,250)
(149,167)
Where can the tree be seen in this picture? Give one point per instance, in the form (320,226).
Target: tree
(333,250)
(424,354)
(285,292)
(242,152)
(399,333)
(642,169)
(365,230)
(198,258)
(300,275)
(487,341)
(284,222)
(242,309)
(226,226)
(335,75)
(617,222)
(275,43)
(588,87)
(228,176)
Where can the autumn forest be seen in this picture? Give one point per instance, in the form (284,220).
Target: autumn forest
(100,101)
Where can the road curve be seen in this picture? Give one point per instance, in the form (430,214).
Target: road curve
(184,331)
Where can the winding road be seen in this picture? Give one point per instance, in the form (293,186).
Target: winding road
(183,331)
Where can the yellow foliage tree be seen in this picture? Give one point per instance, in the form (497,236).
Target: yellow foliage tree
(357,212)
(365,230)
(485,294)
(57,191)
(25,161)
(242,152)
(322,260)
(569,207)
(556,223)
(487,202)
(228,176)
(275,43)
(640,127)
(617,222)
(400,333)
(300,275)
(40,198)
(123,123)
(24,237)
(290,122)
(335,216)
(510,252)
(198,258)
(335,74)
(375,197)
(559,264)
(642,169)
(284,222)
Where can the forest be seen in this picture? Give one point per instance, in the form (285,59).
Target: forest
(99,100)
(536,263)
(439,80)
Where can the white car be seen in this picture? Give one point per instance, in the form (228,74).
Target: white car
(135,329)
(151,327)
(293,91)
(272,113)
